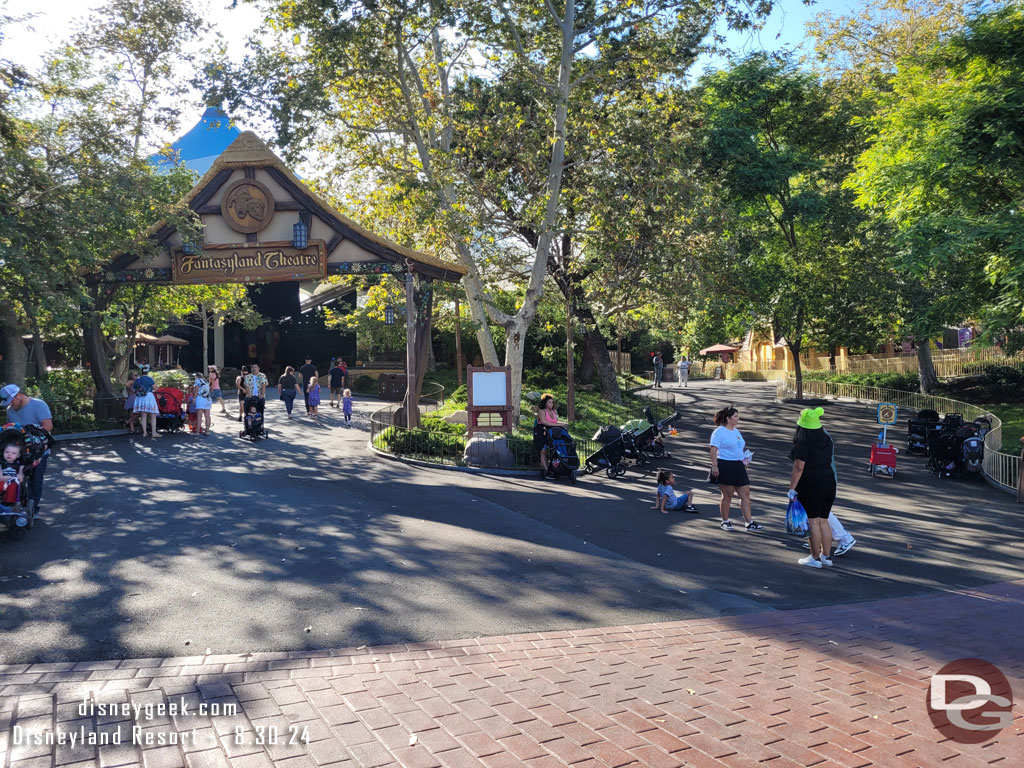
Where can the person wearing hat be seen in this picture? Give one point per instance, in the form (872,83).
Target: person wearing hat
(25,410)
(145,400)
(813,481)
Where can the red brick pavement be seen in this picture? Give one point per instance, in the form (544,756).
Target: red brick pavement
(836,686)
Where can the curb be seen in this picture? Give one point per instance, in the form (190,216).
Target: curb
(88,435)
(468,470)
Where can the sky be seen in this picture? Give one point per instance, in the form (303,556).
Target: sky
(53,19)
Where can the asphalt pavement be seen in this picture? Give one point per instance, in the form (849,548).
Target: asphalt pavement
(307,540)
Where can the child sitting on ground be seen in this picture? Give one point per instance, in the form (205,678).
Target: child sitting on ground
(13,472)
(668,499)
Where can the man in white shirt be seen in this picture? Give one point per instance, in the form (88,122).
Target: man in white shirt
(684,370)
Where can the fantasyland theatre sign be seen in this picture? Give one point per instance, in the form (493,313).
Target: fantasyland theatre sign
(266,262)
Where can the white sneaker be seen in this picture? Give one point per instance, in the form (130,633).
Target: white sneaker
(825,561)
(809,561)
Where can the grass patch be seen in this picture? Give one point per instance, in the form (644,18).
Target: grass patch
(1012,416)
(592,411)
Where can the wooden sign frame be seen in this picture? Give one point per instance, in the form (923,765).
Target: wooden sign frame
(250,263)
(489,416)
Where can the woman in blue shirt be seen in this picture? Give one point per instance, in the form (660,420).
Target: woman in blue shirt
(145,400)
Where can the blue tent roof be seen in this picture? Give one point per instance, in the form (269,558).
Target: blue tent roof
(203,144)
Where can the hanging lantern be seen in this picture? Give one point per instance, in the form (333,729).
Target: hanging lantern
(389,315)
(300,234)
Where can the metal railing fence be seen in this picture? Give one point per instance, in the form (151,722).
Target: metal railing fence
(1001,469)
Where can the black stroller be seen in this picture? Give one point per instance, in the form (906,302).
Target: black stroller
(609,458)
(918,429)
(252,426)
(562,458)
(33,443)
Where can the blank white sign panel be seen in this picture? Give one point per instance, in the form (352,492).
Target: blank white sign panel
(489,388)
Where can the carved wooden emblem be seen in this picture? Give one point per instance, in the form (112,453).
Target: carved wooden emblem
(247,206)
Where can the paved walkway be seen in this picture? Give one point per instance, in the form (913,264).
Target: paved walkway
(835,686)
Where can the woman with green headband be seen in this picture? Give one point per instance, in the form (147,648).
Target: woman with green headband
(813,481)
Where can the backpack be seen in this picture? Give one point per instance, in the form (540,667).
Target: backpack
(141,390)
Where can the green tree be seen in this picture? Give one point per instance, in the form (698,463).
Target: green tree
(777,141)
(945,167)
(207,306)
(382,77)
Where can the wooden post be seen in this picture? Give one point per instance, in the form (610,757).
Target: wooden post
(570,365)
(458,342)
(412,406)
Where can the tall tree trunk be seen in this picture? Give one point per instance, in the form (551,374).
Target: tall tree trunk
(37,340)
(797,370)
(15,355)
(424,292)
(95,350)
(606,379)
(596,346)
(925,367)
(587,367)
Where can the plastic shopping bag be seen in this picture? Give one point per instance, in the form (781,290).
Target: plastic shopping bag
(796,518)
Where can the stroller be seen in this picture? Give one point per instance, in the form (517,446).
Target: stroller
(945,453)
(17,511)
(660,427)
(169,401)
(609,458)
(972,455)
(646,439)
(562,457)
(252,427)
(918,429)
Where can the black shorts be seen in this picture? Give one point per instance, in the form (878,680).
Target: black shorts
(817,497)
(241,396)
(732,473)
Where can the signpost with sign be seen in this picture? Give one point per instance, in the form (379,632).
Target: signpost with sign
(489,398)
(883,455)
(887,413)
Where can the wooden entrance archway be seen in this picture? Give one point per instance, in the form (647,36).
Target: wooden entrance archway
(261,224)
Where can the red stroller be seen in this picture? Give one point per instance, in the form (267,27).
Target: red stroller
(169,401)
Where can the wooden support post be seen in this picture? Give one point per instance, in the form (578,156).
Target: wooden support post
(458,342)
(412,405)
(570,365)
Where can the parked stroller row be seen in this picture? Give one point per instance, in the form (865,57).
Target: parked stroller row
(954,448)
(639,440)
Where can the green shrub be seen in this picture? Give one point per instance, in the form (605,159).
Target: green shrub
(69,395)
(747,376)
(435,438)
(459,396)
(904,382)
(177,379)
(364,383)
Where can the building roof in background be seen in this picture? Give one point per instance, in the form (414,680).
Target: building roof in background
(203,143)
